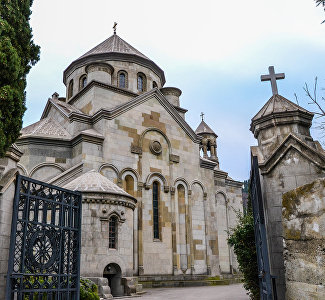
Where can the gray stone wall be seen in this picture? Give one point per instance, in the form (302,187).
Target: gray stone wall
(303,219)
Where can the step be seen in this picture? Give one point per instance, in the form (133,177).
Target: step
(188,282)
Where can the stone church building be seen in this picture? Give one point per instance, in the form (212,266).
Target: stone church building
(155,201)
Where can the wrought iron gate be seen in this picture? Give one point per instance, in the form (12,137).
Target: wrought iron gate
(44,259)
(267,283)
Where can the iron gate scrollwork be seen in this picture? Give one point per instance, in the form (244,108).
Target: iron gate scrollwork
(44,259)
(266,280)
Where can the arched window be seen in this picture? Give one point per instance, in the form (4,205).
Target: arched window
(141,82)
(122,79)
(70,89)
(82,82)
(155,209)
(112,224)
(154,84)
(129,185)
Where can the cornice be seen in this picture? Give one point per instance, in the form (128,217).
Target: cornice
(67,175)
(207,164)
(43,140)
(86,137)
(281,118)
(109,198)
(102,85)
(234,183)
(220,174)
(114,56)
(292,142)
(14,153)
(180,109)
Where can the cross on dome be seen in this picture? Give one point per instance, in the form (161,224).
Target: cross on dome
(114,27)
(273,78)
(202,115)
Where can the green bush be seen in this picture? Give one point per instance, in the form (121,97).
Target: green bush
(242,238)
(88,290)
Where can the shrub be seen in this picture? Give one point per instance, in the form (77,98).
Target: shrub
(242,238)
(88,290)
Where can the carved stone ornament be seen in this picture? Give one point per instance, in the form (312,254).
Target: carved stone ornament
(155,147)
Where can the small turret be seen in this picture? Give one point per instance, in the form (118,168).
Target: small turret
(209,141)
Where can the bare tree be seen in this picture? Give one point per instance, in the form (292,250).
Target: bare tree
(319,103)
(322,3)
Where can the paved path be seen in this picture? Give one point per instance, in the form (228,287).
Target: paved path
(221,292)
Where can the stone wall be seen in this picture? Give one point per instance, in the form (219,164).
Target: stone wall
(303,219)
(8,172)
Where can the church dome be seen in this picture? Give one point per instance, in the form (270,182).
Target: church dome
(93,181)
(114,49)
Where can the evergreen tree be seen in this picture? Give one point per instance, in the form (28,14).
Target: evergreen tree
(18,54)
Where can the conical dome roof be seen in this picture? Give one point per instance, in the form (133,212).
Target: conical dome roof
(203,128)
(115,48)
(114,44)
(95,182)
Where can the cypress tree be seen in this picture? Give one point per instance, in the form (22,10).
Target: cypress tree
(18,54)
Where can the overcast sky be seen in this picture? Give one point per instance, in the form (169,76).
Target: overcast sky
(214,51)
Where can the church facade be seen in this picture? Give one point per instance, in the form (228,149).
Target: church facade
(155,201)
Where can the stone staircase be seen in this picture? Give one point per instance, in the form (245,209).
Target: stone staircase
(187,280)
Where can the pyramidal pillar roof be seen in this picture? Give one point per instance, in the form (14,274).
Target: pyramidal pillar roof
(280,111)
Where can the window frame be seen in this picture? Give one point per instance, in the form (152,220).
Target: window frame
(125,79)
(112,232)
(155,209)
(81,81)
(144,82)
(70,89)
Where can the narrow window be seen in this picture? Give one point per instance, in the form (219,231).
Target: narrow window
(84,82)
(154,84)
(70,89)
(112,243)
(121,80)
(140,83)
(155,209)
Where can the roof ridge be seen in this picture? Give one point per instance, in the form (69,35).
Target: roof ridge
(278,104)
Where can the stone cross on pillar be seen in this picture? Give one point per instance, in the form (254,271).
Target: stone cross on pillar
(273,78)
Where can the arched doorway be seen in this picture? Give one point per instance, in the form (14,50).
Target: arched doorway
(114,275)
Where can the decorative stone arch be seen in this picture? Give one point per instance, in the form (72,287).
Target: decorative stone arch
(223,194)
(118,215)
(160,132)
(41,165)
(126,79)
(112,167)
(22,169)
(201,185)
(160,178)
(131,172)
(112,258)
(183,181)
